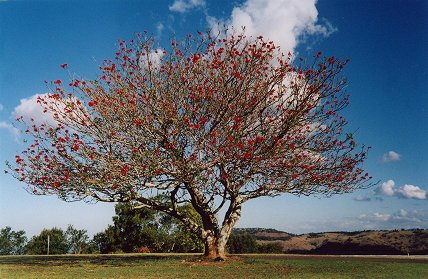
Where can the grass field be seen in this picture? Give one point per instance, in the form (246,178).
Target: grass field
(190,266)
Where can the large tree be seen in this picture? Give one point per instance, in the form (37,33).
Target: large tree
(212,121)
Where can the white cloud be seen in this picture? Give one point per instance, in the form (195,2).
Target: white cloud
(384,217)
(182,6)
(407,219)
(283,21)
(159,28)
(154,59)
(386,188)
(14,131)
(403,217)
(411,192)
(362,198)
(391,156)
(407,191)
(29,108)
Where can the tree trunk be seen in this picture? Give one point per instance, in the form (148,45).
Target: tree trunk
(215,248)
(215,241)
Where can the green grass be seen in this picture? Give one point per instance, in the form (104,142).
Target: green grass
(190,266)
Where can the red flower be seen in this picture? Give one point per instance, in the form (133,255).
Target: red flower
(203,120)
(137,122)
(237,75)
(238,119)
(64,65)
(124,170)
(75,147)
(247,155)
(196,57)
(57,82)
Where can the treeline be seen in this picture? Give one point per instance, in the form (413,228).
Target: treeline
(246,243)
(49,241)
(133,230)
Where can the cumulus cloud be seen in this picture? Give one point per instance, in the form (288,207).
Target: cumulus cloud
(182,6)
(411,192)
(406,192)
(391,156)
(283,21)
(29,108)
(386,188)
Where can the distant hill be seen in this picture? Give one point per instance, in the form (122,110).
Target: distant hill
(396,242)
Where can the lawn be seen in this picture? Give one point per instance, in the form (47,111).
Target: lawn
(190,266)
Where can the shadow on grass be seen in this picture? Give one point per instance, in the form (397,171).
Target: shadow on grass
(104,260)
(121,260)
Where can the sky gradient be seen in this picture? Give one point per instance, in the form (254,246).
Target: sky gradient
(386,41)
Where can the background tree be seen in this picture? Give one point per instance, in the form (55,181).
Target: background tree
(135,228)
(211,121)
(12,242)
(242,243)
(102,243)
(38,245)
(270,248)
(77,240)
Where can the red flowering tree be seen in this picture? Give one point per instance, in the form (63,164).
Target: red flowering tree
(209,122)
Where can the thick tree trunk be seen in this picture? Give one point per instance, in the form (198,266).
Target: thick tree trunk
(214,249)
(215,241)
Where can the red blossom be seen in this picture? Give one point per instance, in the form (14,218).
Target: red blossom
(203,120)
(124,170)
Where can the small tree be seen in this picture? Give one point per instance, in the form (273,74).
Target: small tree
(102,243)
(12,242)
(38,244)
(212,121)
(77,240)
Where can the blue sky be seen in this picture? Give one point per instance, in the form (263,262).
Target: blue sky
(386,41)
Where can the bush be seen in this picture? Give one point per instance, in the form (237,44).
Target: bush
(270,248)
(242,243)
